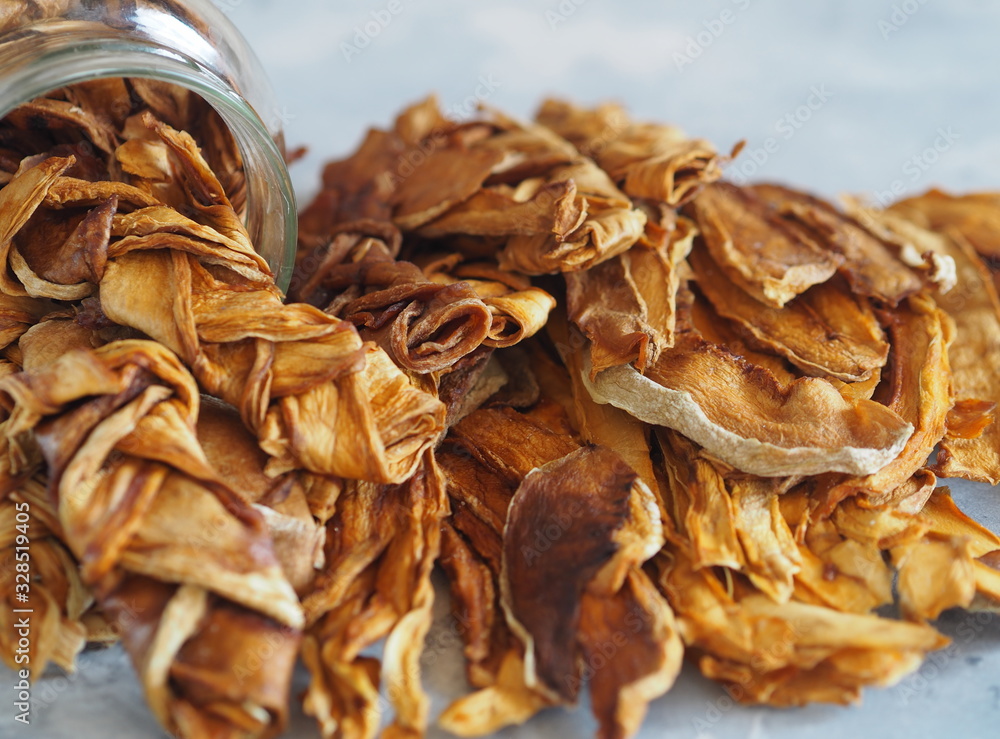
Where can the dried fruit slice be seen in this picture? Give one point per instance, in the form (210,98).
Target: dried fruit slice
(787,654)
(870,266)
(174,555)
(974,354)
(626,306)
(756,249)
(825,331)
(649,160)
(918,387)
(976,216)
(375,585)
(746,418)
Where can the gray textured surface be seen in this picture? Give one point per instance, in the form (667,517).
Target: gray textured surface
(891,88)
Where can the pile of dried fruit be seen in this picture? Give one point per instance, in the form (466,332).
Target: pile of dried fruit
(632,412)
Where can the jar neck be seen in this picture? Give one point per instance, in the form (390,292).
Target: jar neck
(46,56)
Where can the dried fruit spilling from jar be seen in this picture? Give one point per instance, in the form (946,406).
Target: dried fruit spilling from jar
(631,413)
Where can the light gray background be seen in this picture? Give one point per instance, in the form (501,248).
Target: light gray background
(893,74)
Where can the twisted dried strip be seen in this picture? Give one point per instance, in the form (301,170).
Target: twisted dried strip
(168,548)
(974,354)
(517,309)
(626,306)
(381,550)
(424,326)
(302,380)
(35,564)
(785,654)
(648,160)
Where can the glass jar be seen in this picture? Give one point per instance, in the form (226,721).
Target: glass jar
(48,44)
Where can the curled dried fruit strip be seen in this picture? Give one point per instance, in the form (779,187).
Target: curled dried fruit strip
(649,160)
(761,254)
(825,331)
(702,508)
(626,306)
(301,379)
(375,585)
(974,354)
(57,598)
(746,418)
(789,653)
(425,326)
(870,265)
(19,199)
(172,553)
(517,309)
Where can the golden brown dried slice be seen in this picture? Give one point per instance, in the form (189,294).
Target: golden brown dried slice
(284,367)
(626,306)
(974,354)
(884,526)
(233,451)
(584,501)
(638,620)
(948,521)
(870,266)
(841,573)
(918,387)
(18,314)
(474,606)
(57,266)
(60,117)
(825,331)
(19,200)
(70,192)
(381,550)
(790,653)
(716,330)
(447,177)
(517,310)
(746,418)
(157,531)
(934,574)
(756,249)
(605,232)
(976,216)
(650,160)
(503,211)
(769,550)
(50,583)
(425,326)
(507,702)
(494,487)
(701,506)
